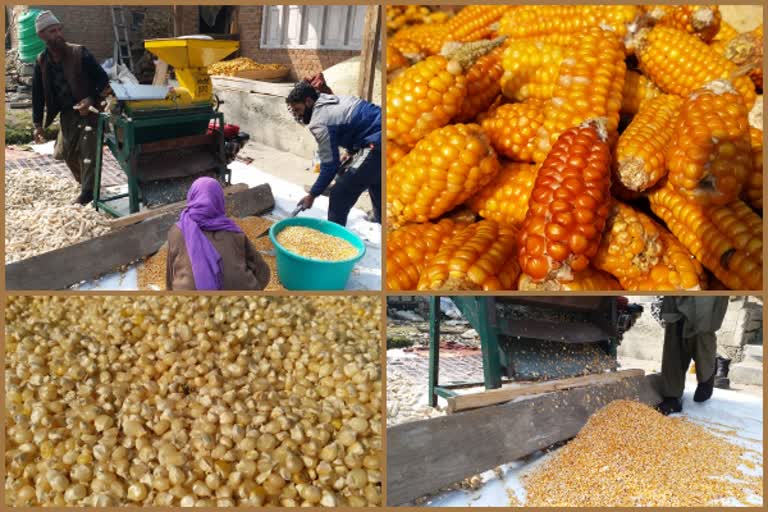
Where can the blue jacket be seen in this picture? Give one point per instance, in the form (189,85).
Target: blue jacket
(341,121)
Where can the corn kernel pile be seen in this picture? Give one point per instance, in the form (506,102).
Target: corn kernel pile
(193,401)
(621,144)
(629,455)
(311,243)
(232,67)
(151,274)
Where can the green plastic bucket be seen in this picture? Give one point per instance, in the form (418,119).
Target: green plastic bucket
(29,44)
(300,273)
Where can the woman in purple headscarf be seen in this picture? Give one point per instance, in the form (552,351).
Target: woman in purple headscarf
(207,250)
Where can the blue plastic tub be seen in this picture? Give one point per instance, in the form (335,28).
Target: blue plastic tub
(300,273)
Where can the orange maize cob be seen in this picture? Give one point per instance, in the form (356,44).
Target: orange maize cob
(512,128)
(530,69)
(637,90)
(445,169)
(680,63)
(395,60)
(428,94)
(709,156)
(429,38)
(568,207)
(407,48)
(410,247)
(746,51)
(480,256)
(474,22)
(589,86)
(505,199)
(642,255)
(703,21)
(725,33)
(394,153)
(753,192)
(588,280)
(540,20)
(727,240)
(482,86)
(640,154)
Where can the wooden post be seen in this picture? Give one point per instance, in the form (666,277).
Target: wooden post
(369,54)
(177,20)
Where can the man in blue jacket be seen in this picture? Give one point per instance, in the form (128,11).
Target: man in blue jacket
(350,123)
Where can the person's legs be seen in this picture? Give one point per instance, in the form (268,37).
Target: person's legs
(704,349)
(375,192)
(68,141)
(87,154)
(675,360)
(364,171)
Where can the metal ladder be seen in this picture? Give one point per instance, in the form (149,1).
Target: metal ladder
(122,47)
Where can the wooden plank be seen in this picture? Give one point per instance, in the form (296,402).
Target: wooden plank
(498,396)
(161,73)
(122,222)
(88,260)
(369,52)
(425,456)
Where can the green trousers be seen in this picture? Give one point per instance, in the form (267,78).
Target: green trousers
(677,355)
(77,146)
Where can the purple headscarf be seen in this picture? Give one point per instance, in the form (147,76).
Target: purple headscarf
(205,212)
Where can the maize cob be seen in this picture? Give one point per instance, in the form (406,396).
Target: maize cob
(428,94)
(725,33)
(482,86)
(644,256)
(480,256)
(589,86)
(530,69)
(400,16)
(512,128)
(640,154)
(410,248)
(637,90)
(445,169)
(429,38)
(680,63)
(232,67)
(395,60)
(505,199)
(746,51)
(703,21)
(753,191)
(540,20)
(588,280)
(407,48)
(727,240)
(474,22)
(461,214)
(394,153)
(568,207)
(710,156)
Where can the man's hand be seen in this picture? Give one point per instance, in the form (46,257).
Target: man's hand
(84,106)
(39,135)
(307,201)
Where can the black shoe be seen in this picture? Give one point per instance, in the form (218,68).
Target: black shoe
(704,389)
(670,406)
(722,366)
(84,198)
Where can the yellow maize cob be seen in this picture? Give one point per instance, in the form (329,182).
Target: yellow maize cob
(588,280)
(429,38)
(482,86)
(637,90)
(474,22)
(703,21)
(540,20)
(445,169)
(640,154)
(394,153)
(679,63)
(480,256)
(753,192)
(725,33)
(400,16)
(746,51)
(642,255)
(395,60)
(410,248)
(428,94)
(531,69)
(709,156)
(505,199)
(407,48)
(727,240)
(512,128)
(589,86)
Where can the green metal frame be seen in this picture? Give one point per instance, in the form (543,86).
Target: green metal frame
(128,151)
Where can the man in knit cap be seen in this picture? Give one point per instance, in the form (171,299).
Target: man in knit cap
(68,81)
